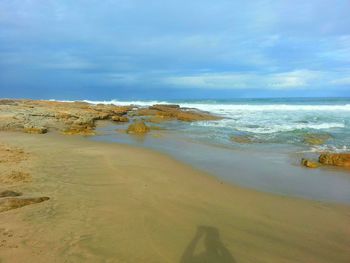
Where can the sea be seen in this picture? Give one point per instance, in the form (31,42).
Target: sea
(268,159)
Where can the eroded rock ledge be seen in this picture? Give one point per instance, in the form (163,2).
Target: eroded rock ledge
(38,117)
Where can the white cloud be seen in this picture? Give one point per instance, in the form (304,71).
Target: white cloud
(286,80)
(211,80)
(342,81)
(293,79)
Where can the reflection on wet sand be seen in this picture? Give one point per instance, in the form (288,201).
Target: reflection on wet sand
(214,249)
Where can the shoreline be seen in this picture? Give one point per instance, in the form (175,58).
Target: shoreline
(113,203)
(275,170)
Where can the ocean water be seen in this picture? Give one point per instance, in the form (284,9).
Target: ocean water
(266,121)
(271,161)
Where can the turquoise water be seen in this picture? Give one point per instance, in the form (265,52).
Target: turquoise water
(271,162)
(267,121)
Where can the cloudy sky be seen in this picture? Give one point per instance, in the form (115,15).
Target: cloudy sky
(174,49)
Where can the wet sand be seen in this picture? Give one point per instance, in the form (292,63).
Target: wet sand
(116,203)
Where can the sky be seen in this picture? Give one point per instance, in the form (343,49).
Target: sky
(161,49)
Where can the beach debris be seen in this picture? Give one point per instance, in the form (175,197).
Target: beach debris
(10,203)
(310,164)
(335,159)
(316,139)
(138,127)
(9,193)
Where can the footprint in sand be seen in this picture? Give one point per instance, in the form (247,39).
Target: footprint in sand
(10,203)
(9,193)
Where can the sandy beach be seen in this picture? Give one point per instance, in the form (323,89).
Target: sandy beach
(116,203)
(174,131)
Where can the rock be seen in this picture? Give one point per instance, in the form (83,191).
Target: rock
(159,119)
(316,139)
(14,203)
(162,106)
(120,119)
(9,193)
(138,127)
(79,131)
(335,159)
(7,102)
(175,112)
(34,129)
(310,164)
(242,139)
(68,117)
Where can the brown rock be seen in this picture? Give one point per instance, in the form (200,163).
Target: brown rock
(159,119)
(120,119)
(138,127)
(175,112)
(335,159)
(164,106)
(309,164)
(35,130)
(40,116)
(14,203)
(79,131)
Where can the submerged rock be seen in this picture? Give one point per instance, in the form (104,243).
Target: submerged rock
(84,132)
(316,139)
(242,139)
(138,127)
(335,159)
(14,203)
(9,193)
(310,164)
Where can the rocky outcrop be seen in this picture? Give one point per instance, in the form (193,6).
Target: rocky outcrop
(310,164)
(71,118)
(176,112)
(335,159)
(14,203)
(138,127)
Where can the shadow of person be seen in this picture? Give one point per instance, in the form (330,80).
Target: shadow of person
(214,249)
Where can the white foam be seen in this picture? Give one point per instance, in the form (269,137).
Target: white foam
(226,108)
